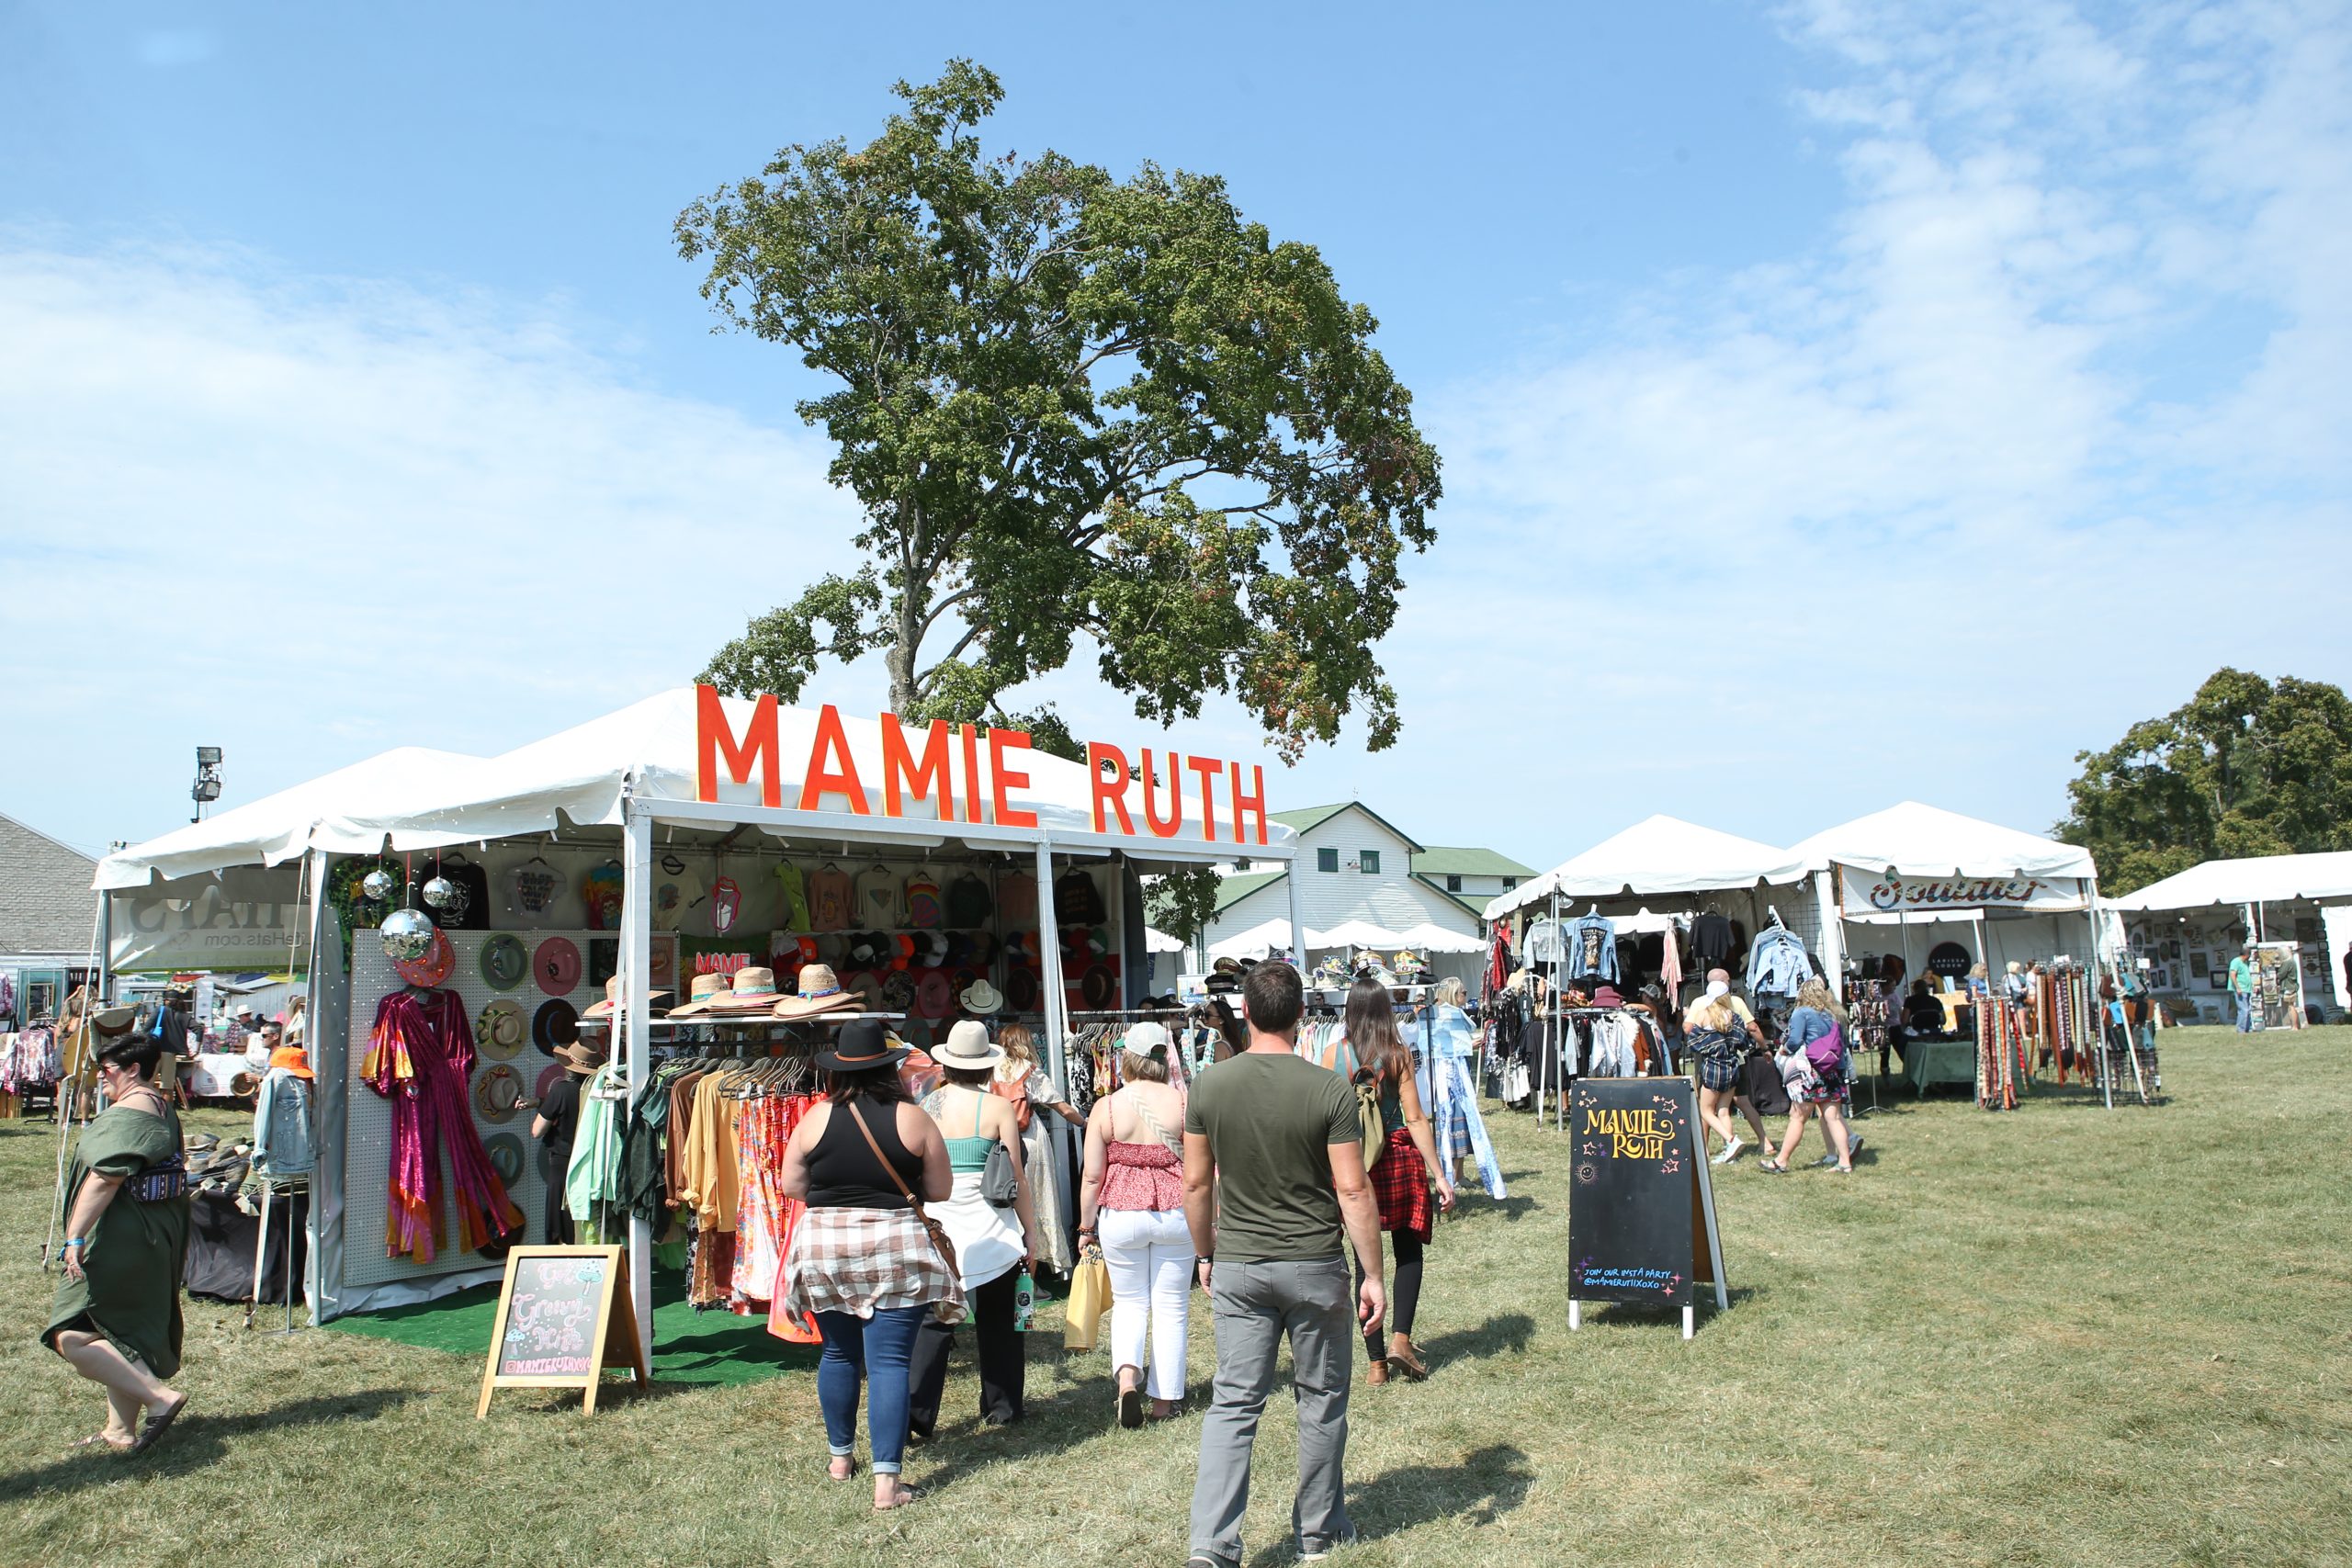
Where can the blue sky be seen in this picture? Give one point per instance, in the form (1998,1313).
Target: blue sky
(1840,403)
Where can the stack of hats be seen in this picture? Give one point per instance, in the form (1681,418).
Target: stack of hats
(751,991)
(612,1002)
(820,992)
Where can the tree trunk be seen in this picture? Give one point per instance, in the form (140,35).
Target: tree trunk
(914,594)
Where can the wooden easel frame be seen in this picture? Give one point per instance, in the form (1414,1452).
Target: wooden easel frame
(616,1320)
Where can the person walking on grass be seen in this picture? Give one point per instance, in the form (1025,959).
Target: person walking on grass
(1755,1091)
(1814,1051)
(2241,990)
(1133,1202)
(861,1259)
(117,1317)
(1372,1052)
(1713,1039)
(1274,1192)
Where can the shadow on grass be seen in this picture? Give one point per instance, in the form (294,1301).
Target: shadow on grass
(1511,1331)
(1073,1416)
(1486,1484)
(195,1441)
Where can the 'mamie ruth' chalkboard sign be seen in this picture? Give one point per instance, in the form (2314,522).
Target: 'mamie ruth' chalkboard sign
(1640,1209)
(563,1312)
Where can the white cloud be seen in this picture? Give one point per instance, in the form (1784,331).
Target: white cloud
(307,519)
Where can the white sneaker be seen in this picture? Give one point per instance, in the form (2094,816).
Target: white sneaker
(1731,1153)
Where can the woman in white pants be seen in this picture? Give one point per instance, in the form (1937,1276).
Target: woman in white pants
(1132,1203)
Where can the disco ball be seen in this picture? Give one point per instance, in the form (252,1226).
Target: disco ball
(377,884)
(440,892)
(408,935)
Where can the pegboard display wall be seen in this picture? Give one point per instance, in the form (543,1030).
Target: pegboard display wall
(368,1137)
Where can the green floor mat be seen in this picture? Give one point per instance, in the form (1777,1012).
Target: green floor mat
(689,1346)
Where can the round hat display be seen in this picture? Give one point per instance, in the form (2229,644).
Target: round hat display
(556,1023)
(505,961)
(433,966)
(549,1075)
(703,989)
(897,991)
(1021,989)
(820,991)
(497,1091)
(556,965)
(967,1048)
(1099,986)
(935,993)
(505,1152)
(868,987)
(499,1032)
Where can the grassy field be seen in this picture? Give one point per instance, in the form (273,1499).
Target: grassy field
(2063,1336)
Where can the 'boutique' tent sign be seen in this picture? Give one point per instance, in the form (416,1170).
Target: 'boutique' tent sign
(948,773)
(1882,894)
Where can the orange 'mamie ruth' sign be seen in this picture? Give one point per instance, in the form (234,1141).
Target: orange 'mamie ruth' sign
(939,762)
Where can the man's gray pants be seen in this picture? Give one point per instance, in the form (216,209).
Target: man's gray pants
(1256,1305)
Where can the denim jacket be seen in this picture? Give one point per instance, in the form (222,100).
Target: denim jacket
(1581,933)
(1542,942)
(282,1142)
(1776,963)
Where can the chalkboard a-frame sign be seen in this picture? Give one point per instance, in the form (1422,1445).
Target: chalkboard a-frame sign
(1641,1208)
(562,1314)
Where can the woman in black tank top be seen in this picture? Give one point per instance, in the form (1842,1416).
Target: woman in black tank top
(861,1261)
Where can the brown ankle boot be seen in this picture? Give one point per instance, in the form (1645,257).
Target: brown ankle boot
(1378,1373)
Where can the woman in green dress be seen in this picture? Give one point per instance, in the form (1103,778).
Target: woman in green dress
(117,1318)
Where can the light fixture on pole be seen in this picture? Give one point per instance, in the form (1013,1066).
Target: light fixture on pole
(206,788)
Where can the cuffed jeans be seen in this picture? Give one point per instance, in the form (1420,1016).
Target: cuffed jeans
(1149,1255)
(1256,1305)
(875,1351)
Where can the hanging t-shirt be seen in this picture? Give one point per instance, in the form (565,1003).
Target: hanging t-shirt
(533,888)
(877,898)
(677,891)
(795,888)
(830,903)
(468,906)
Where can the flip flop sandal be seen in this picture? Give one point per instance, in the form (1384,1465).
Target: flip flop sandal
(1131,1407)
(100,1440)
(850,1476)
(151,1430)
(908,1497)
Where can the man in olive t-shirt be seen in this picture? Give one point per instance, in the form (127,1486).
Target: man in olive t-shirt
(1274,1190)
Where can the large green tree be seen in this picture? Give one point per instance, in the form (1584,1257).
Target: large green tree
(1073,408)
(2246,767)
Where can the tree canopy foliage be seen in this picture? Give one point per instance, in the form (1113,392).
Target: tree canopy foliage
(1073,406)
(2246,767)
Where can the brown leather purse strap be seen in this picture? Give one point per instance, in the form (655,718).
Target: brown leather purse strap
(888,1169)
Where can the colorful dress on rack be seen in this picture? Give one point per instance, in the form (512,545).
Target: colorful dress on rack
(764,1215)
(420,1057)
(591,1184)
(1041,1159)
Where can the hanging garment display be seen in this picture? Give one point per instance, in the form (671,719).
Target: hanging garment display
(1592,948)
(1777,964)
(420,1057)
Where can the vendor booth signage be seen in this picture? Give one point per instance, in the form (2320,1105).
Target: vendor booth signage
(1641,1208)
(204,928)
(1867,893)
(943,772)
(562,1312)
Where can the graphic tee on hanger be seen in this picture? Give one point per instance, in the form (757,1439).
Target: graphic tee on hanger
(533,888)
(877,898)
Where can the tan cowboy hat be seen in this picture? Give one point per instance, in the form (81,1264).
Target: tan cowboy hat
(612,1001)
(707,988)
(113,1021)
(580,1057)
(751,991)
(967,1048)
(981,997)
(820,992)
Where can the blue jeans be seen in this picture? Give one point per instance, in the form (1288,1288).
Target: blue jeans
(874,1350)
(2246,1011)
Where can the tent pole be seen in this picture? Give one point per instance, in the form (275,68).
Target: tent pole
(1297,920)
(93,993)
(637,1035)
(1050,954)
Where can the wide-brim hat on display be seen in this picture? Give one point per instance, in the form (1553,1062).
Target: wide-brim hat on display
(981,997)
(556,1023)
(294,1059)
(501,1029)
(611,1004)
(1020,990)
(1226,967)
(868,987)
(935,993)
(751,990)
(580,1057)
(498,1092)
(504,961)
(821,990)
(1099,986)
(861,1044)
(114,1021)
(556,965)
(705,989)
(505,1152)
(967,1048)
(897,991)
(432,968)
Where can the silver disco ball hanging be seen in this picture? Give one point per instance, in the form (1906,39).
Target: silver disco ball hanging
(408,935)
(440,892)
(377,884)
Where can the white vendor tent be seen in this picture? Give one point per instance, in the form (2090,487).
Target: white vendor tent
(1658,854)
(2209,909)
(725,787)
(2267,879)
